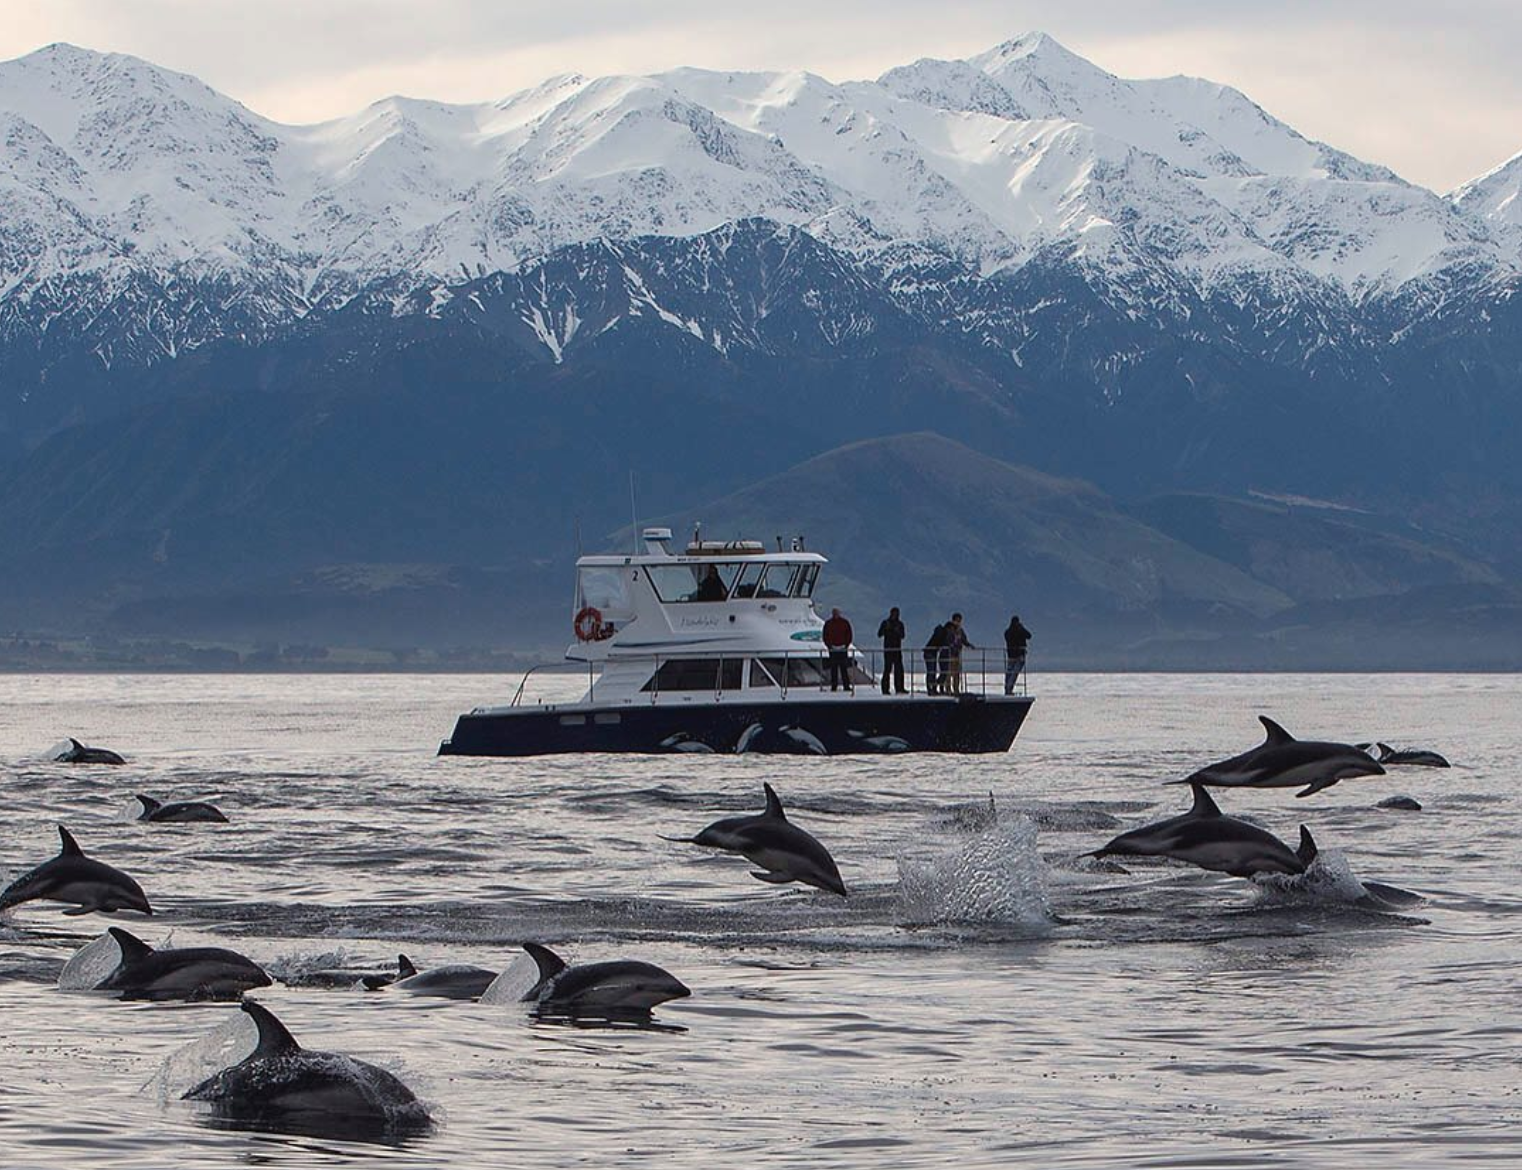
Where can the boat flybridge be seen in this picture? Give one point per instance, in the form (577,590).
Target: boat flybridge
(719,649)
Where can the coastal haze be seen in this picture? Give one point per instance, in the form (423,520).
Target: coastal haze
(1136,358)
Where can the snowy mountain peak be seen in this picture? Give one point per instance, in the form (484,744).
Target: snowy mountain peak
(132,175)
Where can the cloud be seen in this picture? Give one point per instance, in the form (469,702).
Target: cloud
(1431,92)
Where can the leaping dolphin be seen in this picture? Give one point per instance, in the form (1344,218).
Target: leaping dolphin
(768,839)
(282,1082)
(78,753)
(73,877)
(619,986)
(178,812)
(1206,837)
(1282,761)
(191,973)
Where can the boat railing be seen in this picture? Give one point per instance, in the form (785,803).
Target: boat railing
(804,671)
(974,671)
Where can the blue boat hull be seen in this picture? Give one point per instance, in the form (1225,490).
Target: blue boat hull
(969,723)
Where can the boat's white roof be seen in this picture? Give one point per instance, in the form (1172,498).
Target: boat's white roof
(600,560)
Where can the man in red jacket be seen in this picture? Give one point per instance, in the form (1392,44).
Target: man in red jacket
(837,640)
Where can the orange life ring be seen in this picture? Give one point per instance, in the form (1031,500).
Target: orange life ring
(588,625)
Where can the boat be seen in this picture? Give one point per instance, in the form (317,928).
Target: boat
(718,648)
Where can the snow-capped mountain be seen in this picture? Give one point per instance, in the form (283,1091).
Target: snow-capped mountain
(1063,241)
(114,168)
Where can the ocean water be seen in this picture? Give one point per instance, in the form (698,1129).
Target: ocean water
(984,997)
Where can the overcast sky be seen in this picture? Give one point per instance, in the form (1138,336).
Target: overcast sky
(1432,90)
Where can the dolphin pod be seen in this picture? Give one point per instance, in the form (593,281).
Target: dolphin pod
(178,812)
(78,753)
(784,852)
(613,987)
(283,1083)
(1207,837)
(191,973)
(1282,761)
(72,877)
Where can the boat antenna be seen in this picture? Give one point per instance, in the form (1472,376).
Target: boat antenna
(633,516)
(576,529)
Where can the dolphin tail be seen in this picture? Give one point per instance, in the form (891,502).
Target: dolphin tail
(273,1037)
(1307,851)
(773,803)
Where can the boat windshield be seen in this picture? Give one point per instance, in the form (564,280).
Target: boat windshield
(721,580)
(606,589)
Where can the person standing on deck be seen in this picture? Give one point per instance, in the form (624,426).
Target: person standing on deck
(956,641)
(837,640)
(1016,640)
(935,648)
(891,631)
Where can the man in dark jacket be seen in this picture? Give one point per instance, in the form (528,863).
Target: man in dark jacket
(1016,639)
(837,640)
(934,652)
(891,631)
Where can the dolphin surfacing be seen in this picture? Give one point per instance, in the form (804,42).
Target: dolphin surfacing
(188,973)
(178,812)
(284,1085)
(78,753)
(610,988)
(1282,761)
(74,878)
(1207,837)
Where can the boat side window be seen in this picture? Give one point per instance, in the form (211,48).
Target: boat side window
(686,674)
(731,670)
(802,671)
(702,582)
(760,676)
(803,584)
(750,577)
(779,581)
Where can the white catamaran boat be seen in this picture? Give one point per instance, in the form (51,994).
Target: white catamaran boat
(719,649)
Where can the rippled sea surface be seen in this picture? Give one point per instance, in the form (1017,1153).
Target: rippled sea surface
(983,997)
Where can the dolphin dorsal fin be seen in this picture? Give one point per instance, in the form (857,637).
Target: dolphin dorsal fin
(1276,734)
(70,846)
(773,804)
(148,803)
(1204,803)
(1307,850)
(134,949)
(1385,752)
(549,963)
(404,967)
(273,1038)
(78,747)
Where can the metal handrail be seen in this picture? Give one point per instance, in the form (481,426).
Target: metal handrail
(980,671)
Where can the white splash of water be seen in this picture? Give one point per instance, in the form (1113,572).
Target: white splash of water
(227,1044)
(1329,880)
(993,877)
(90,964)
(513,984)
